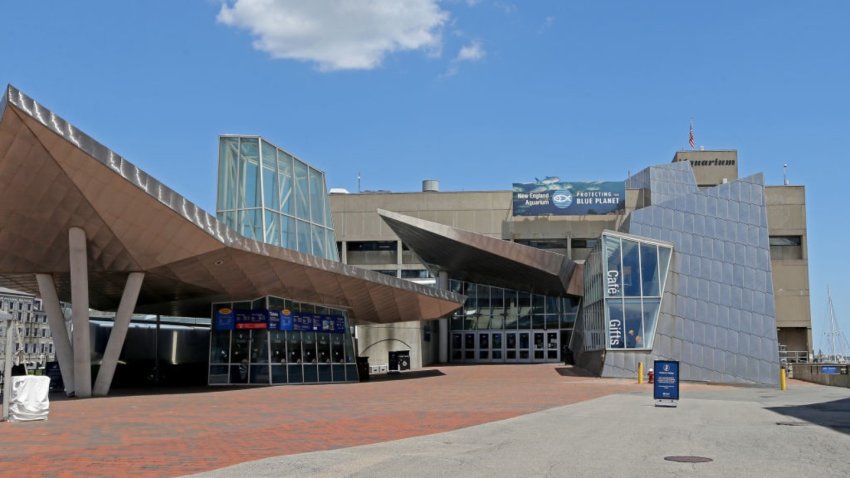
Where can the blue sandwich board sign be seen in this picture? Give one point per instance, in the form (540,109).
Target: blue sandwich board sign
(666,387)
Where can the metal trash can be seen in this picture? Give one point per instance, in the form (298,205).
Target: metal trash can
(363,368)
(398,361)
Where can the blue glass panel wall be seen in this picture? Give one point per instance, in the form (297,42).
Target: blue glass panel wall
(717,316)
(268,195)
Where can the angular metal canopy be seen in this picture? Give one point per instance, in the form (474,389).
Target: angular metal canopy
(54,177)
(483,259)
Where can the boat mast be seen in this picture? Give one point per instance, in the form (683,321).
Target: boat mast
(836,338)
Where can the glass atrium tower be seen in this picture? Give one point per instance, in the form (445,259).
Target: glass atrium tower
(269,195)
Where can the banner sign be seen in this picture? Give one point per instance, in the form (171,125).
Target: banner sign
(252,319)
(666,385)
(274,320)
(285,320)
(224,318)
(829,369)
(552,197)
(339,324)
(302,321)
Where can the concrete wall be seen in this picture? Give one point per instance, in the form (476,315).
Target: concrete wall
(355,218)
(811,373)
(786,216)
(376,341)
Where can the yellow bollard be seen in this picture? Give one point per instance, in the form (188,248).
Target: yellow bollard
(783,384)
(640,373)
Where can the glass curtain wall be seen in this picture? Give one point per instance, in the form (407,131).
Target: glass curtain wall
(506,325)
(269,195)
(624,282)
(275,341)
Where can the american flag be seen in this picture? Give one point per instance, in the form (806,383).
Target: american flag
(691,140)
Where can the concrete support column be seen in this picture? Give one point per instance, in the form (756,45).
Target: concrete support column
(56,321)
(80,311)
(118,334)
(809,345)
(6,318)
(443,284)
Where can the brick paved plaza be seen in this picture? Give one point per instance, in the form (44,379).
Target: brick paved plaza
(189,431)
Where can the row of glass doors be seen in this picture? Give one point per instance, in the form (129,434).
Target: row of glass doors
(488,346)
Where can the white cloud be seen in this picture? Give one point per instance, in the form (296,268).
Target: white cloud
(338,34)
(472,52)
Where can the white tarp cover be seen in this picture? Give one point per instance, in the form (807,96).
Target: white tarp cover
(28,400)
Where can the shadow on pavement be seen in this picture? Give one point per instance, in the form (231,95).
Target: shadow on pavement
(406,375)
(571,371)
(834,414)
(56,395)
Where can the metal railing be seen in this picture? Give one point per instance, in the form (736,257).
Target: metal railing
(793,356)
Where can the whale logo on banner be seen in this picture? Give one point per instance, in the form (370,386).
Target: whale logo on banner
(562,199)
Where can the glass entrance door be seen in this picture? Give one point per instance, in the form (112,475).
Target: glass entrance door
(539,347)
(524,347)
(510,346)
(488,346)
(552,346)
(469,347)
(497,353)
(482,351)
(457,347)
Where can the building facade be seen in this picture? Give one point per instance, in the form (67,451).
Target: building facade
(746,296)
(85,226)
(546,271)
(34,344)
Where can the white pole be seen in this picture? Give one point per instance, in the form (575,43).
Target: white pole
(7,369)
(80,312)
(56,320)
(119,332)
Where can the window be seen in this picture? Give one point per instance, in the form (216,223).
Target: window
(786,247)
(372,252)
(415,274)
(544,243)
(633,274)
(584,243)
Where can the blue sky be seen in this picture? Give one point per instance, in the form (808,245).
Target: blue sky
(475,93)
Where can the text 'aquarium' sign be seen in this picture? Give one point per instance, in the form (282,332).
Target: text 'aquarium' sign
(552,197)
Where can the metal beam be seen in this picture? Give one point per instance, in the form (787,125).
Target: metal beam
(118,334)
(56,321)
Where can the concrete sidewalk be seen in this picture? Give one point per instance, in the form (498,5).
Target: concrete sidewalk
(804,431)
